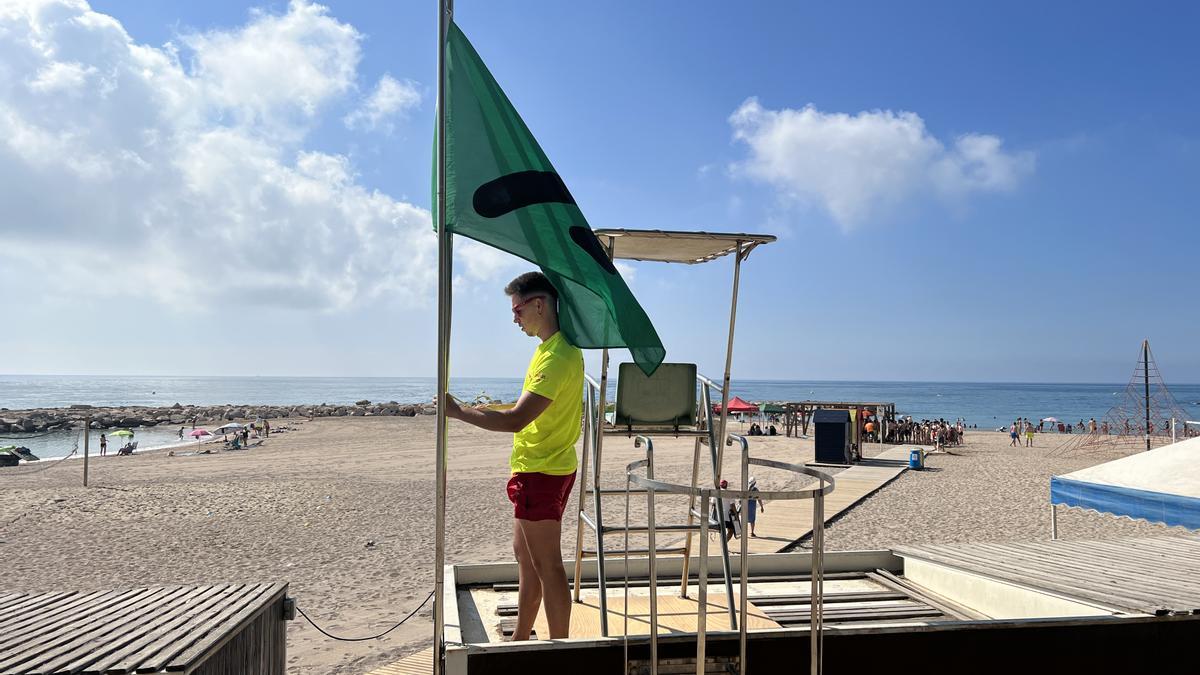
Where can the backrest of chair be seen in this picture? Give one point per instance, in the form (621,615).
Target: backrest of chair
(666,398)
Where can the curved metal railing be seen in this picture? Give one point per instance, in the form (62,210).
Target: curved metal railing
(653,486)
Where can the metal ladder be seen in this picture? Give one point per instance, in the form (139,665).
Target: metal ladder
(593,444)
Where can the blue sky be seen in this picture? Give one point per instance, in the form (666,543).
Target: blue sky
(961,192)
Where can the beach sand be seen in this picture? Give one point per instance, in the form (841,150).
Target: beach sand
(302,507)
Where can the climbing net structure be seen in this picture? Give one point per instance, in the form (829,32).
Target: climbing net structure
(1146,416)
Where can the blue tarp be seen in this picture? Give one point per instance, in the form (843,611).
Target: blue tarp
(1159,507)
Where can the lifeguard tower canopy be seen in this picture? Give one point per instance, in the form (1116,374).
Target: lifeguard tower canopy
(690,248)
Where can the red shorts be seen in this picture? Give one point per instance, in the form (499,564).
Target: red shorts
(539,496)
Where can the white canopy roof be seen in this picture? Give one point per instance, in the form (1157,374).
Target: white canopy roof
(1161,485)
(678,247)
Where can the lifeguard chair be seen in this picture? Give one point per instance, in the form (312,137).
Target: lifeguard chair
(675,401)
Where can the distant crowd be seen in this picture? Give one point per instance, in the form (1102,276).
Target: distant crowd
(1024,429)
(939,433)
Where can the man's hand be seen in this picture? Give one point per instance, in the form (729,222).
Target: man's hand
(527,409)
(453,410)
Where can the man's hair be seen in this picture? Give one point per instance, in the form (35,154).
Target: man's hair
(531,283)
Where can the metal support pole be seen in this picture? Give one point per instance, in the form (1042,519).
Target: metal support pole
(445,260)
(720,509)
(651,560)
(737,270)
(597,453)
(1172,429)
(87,432)
(817,585)
(1146,380)
(702,594)
(588,428)
(687,547)
(743,608)
(1053,521)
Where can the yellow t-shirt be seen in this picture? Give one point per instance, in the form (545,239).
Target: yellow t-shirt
(547,444)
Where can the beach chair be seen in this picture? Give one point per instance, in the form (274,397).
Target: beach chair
(663,401)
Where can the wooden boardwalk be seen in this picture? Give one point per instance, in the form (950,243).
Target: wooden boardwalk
(785,523)
(1158,575)
(420,663)
(145,630)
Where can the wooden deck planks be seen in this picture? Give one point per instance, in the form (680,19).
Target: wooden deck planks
(675,615)
(172,628)
(94,636)
(1148,575)
(142,630)
(420,663)
(218,628)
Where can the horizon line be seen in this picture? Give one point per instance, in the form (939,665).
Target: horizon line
(509,377)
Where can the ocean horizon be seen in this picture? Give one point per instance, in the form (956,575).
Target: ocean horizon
(986,405)
(977,402)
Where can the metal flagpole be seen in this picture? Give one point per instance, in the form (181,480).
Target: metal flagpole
(445,258)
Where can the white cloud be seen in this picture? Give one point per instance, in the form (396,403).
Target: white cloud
(277,68)
(391,97)
(192,186)
(855,166)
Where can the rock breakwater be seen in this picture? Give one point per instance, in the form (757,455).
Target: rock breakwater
(54,419)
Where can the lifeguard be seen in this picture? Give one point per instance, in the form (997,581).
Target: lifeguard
(545,426)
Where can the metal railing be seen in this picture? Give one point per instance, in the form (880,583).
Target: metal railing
(817,494)
(593,442)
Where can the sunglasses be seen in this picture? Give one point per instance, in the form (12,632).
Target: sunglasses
(518,307)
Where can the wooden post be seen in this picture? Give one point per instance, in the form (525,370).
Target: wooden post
(87,431)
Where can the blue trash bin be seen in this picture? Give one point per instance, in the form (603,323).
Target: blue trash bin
(916,459)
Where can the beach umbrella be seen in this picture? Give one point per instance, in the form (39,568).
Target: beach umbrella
(198,433)
(231,425)
(1052,420)
(121,432)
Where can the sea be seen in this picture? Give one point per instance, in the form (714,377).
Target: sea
(987,405)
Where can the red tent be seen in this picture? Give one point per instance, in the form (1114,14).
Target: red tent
(737,405)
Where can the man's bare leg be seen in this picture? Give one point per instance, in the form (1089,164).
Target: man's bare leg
(543,538)
(529,595)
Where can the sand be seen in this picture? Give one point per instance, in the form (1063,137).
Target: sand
(302,508)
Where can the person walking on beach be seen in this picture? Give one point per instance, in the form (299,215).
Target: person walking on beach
(103,445)
(1012,435)
(754,504)
(1028,434)
(545,426)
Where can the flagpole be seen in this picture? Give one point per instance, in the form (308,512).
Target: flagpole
(445,258)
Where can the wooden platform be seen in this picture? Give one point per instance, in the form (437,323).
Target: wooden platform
(783,524)
(1159,575)
(675,615)
(232,628)
(420,663)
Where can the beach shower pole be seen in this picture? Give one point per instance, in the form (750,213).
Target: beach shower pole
(445,258)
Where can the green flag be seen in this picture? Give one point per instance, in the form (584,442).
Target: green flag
(501,190)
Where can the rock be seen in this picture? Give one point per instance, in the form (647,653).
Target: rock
(176,406)
(362,402)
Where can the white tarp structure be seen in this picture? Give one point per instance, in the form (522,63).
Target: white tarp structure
(1161,485)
